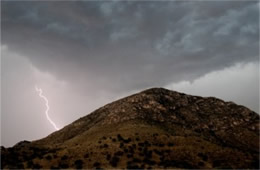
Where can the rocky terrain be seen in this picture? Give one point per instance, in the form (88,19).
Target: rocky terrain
(156,128)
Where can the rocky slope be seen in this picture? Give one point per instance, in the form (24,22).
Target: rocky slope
(156,128)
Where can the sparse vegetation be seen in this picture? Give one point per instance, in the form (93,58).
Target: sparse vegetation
(145,142)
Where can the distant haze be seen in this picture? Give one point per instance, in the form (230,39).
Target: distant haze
(85,54)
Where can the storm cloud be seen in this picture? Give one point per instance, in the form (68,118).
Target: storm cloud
(101,51)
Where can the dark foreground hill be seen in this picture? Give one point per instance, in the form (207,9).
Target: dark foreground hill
(156,128)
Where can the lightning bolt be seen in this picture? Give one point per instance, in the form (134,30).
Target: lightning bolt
(39,90)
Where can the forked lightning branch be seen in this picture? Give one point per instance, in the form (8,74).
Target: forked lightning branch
(39,90)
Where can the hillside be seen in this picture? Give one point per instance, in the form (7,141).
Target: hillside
(156,128)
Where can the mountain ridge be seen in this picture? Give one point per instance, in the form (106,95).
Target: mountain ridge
(168,117)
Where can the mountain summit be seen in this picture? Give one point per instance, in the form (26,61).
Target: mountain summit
(156,128)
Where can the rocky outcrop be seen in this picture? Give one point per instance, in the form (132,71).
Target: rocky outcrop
(156,128)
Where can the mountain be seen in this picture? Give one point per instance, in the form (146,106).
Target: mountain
(156,128)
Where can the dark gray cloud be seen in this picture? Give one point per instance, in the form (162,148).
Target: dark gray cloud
(104,50)
(152,43)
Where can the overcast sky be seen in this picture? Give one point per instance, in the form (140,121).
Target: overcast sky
(86,54)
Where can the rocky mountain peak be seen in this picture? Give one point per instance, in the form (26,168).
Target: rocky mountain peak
(158,127)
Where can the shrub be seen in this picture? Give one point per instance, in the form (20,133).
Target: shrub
(170,144)
(86,155)
(201,163)
(119,137)
(64,157)
(161,145)
(136,160)
(63,165)
(108,157)
(127,140)
(36,166)
(48,157)
(114,161)
(203,156)
(141,144)
(125,150)
(78,163)
(129,155)
(119,153)
(96,164)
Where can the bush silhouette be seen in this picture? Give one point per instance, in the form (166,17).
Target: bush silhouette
(64,157)
(108,157)
(96,164)
(86,155)
(114,161)
(170,144)
(63,165)
(48,157)
(78,163)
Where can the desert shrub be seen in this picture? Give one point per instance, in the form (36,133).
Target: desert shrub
(114,161)
(54,167)
(105,145)
(157,152)
(141,154)
(137,139)
(155,134)
(167,151)
(127,140)
(36,166)
(148,154)
(142,166)
(96,164)
(170,144)
(121,145)
(63,165)
(30,164)
(129,155)
(149,162)
(136,160)
(201,164)
(203,156)
(134,145)
(64,157)
(217,163)
(125,150)
(86,155)
(20,166)
(48,157)
(113,140)
(104,138)
(119,153)
(141,144)
(119,137)
(147,143)
(131,150)
(173,163)
(161,145)
(108,157)
(78,163)
(132,167)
